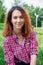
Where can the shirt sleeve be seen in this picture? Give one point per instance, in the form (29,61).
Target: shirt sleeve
(33,43)
(8,55)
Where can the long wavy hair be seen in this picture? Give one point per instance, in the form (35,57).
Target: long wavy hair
(8,27)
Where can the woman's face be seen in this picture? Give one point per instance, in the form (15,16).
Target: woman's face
(17,19)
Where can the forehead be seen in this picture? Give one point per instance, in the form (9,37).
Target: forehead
(16,13)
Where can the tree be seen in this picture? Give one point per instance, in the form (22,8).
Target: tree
(17,2)
(39,11)
(31,11)
(2,12)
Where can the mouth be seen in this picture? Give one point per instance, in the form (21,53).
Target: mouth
(18,24)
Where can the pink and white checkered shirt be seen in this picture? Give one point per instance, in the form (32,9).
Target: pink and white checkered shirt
(14,52)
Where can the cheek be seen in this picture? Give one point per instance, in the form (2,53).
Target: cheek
(13,21)
(23,21)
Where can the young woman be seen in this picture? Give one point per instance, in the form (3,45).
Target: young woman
(20,44)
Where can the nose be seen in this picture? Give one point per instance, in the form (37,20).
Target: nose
(18,20)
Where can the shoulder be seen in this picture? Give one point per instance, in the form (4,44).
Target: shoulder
(7,39)
(32,34)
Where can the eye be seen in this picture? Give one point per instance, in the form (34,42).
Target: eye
(15,17)
(21,17)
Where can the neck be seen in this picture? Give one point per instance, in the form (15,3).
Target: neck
(17,31)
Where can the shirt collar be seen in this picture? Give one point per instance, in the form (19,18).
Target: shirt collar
(15,36)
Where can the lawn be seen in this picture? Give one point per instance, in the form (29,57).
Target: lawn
(39,35)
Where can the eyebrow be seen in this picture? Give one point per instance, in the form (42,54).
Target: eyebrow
(18,16)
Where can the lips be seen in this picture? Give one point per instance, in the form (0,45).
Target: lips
(18,24)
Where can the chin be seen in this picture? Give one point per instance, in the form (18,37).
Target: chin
(18,27)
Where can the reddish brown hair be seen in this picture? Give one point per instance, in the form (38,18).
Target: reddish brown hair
(8,28)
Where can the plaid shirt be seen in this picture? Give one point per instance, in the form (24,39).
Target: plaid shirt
(14,52)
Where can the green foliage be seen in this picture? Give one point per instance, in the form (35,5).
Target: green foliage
(2,12)
(31,11)
(39,35)
(1,26)
(2,62)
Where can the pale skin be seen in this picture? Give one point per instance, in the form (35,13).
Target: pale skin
(18,21)
(33,60)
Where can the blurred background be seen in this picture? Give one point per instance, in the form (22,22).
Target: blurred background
(34,8)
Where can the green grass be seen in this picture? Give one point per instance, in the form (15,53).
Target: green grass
(39,35)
